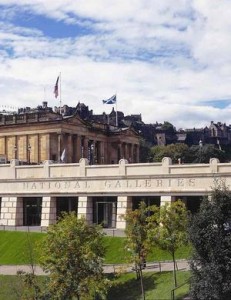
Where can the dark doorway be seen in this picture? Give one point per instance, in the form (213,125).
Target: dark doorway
(149,200)
(193,203)
(105,211)
(32,208)
(66,204)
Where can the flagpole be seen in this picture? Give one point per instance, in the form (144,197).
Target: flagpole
(60,99)
(116,112)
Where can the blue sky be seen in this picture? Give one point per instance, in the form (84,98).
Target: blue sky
(168,62)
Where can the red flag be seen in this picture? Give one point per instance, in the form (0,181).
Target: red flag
(56,88)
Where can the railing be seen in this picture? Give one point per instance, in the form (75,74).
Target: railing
(23,228)
(179,286)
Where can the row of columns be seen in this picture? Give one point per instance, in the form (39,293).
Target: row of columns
(12,210)
(129,152)
(79,146)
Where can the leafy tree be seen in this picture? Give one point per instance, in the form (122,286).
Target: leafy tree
(168,228)
(210,234)
(73,255)
(136,241)
(145,149)
(202,154)
(167,126)
(175,151)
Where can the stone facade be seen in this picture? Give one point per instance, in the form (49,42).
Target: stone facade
(101,193)
(33,136)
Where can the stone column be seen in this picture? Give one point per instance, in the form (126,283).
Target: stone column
(85,209)
(101,153)
(125,151)
(85,148)
(124,203)
(69,149)
(48,215)
(137,153)
(166,199)
(132,153)
(12,211)
(78,148)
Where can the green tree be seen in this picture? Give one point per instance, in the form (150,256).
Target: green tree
(210,234)
(168,228)
(174,151)
(203,153)
(137,239)
(73,255)
(145,149)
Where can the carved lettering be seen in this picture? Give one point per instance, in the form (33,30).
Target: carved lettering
(180,182)
(148,183)
(107,184)
(191,182)
(66,185)
(77,186)
(25,185)
(87,185)
(159,182)
(33,186)
(117,184)
(129,185)
(57,185)
(42,185)
(138,183)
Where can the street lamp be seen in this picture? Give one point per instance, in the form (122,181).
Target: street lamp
(200,150)
(29,149)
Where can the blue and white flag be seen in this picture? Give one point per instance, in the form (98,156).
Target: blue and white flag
(111,100)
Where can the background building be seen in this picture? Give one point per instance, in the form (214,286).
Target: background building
(35,135)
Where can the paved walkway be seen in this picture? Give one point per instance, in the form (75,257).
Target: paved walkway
(150,267)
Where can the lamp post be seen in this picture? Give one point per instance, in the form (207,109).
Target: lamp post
(200,150)
(29,149)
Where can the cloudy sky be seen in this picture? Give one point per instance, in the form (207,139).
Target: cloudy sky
(168,60)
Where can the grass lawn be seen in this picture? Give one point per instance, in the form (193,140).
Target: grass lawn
(157,286)
(14,248)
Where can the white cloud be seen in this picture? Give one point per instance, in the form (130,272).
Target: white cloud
(162,59)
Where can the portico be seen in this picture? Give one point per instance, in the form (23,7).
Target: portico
(36,195)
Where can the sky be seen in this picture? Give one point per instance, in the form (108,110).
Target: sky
(166,60)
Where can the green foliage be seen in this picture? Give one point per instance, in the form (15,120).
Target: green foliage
(136,232)
(137,239)
(145,151)
(210,234)
(168,227)
(73,255)
(167,126)
(175,151)
(202,154)
(193,154)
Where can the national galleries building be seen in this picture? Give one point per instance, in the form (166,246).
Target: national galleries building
(53,162)
(35,195)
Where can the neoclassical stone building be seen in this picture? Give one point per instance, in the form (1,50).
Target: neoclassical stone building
(35,135)
(37,194)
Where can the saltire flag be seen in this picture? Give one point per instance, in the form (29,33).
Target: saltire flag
(56,88)
(111,100)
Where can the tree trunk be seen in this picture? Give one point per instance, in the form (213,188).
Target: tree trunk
(141,281)
(174,268)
